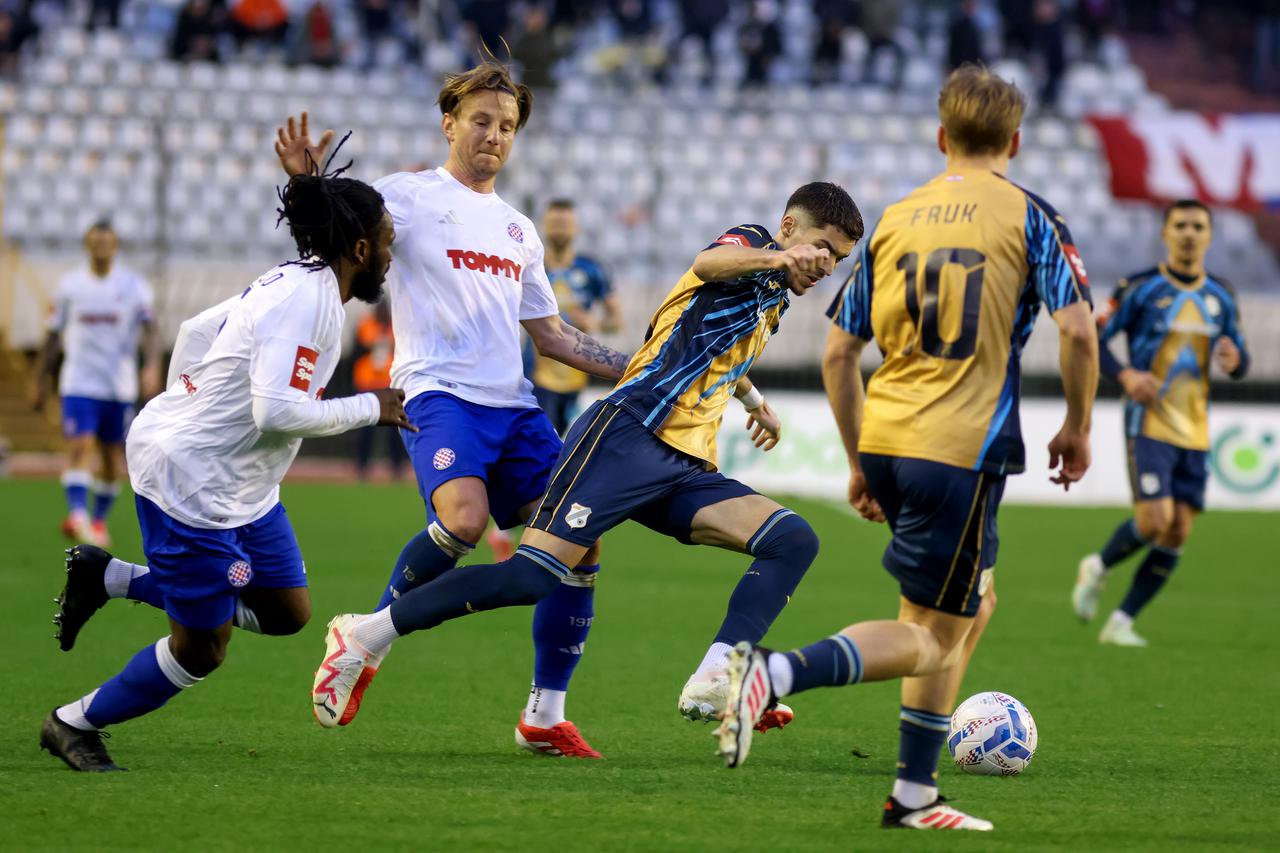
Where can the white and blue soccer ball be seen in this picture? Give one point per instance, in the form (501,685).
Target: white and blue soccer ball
(992,734)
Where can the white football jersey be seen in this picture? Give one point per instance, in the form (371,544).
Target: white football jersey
(467,268)
(195,450)
(100,320)
(195,336)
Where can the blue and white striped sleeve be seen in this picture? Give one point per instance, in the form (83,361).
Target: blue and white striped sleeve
(1057,272)
(851,309)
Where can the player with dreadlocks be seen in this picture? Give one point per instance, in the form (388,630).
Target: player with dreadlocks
(206,459)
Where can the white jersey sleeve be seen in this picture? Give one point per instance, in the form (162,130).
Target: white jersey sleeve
(195,336)
(284,352)
(537,299)
(398,197)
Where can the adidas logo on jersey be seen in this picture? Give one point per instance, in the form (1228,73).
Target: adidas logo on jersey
(481,261)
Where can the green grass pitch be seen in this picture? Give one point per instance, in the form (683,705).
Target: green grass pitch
(1172,747)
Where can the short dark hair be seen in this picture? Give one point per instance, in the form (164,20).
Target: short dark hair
(1187,204)
(828,204)
(327,215)
(561,204)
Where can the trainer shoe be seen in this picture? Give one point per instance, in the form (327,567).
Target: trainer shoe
(83,593)
(98,534)
(339,672)
(1090,577)
(77,528)
(563,740)
(936,815)
(81,750)
(750,695)
(362,684)
(1119,632)
(704,701)
(500,542)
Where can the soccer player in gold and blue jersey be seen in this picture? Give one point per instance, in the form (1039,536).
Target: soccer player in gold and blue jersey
(648,452)
(1177,318)
(949,284)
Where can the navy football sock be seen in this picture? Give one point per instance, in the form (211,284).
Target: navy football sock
(561,622)
(833,662)
(527,578)
(150,679)
(1123,542)
(425,557)
(921,736)
(1152,575)
(784,546)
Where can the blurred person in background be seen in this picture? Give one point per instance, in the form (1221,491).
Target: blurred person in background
(101,313)
(17,27)
(103,12)
(964,38)
(699,19)
(195,36)
(315,42)
(262,22)
(536,49)
(1094,16)
(834,18)
(1049,35)
(371,371)
(760,41)
(880,24)
(488,22)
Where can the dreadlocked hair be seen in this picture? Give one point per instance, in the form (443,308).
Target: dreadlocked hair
(327,213)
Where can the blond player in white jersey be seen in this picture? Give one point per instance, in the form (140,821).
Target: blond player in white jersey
(101,313)
(206,459)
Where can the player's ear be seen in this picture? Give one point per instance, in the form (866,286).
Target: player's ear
(942,140)
(361,251)
(788,225)
(1015,144)
(446,124)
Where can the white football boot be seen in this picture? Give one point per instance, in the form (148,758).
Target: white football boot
(704,701)
(1119,632)
(750,694)
(1090,578)
(936,815)
(339,672)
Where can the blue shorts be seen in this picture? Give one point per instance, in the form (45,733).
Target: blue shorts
(202,572)
(943,520)
(1160,470)
(512,450)
(612,468)
(107,420)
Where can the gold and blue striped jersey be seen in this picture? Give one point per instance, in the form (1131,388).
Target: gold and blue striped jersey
(701,341)
(949,284)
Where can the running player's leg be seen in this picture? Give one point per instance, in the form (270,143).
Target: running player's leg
(111,432)
(79,428)
(276,600)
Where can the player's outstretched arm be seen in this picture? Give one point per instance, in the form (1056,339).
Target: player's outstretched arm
(842,377)
(294,146)
(1078,363)
(45,361)
(557,340)
(804,264)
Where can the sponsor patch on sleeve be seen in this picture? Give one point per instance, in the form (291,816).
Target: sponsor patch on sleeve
(734,240)
(1077,263)
(304,365)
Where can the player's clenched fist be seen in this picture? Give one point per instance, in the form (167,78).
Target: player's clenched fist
(391,401)
(805,265)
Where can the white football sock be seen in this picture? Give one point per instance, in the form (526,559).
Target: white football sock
(545,707)
(781,675)
(117,575)
(1120,619)
(73,714)
(715,662)
(375,633)
(913,795)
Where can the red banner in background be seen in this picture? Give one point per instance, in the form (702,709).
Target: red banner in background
(1231,160)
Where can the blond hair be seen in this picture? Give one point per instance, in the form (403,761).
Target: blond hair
(980,112)
(487,76)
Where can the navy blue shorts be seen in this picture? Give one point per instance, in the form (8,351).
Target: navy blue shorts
(202,572)
(106,420)
(561,407)
(943,520)
(1160,470)
(511,450)
(612,469)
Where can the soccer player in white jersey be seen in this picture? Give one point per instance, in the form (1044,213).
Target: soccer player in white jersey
(101,312)
(468,275)
(206,459)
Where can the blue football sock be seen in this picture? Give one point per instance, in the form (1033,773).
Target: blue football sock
(561,622)
(104,495)
(145,589)
(150,679)
(425,557)
(1152,574)
(76,485)
(833,662)
(783,548)
(921,736)
(528,577)
(1123,542)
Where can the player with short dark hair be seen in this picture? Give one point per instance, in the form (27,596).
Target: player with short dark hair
(949,284)
(647,452)
(206,459)
(1177,318)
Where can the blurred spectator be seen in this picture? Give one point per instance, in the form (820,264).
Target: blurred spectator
(103,12)
(1266,52)
(1049,40)
(964,39)
(371,371)
(880,24)
(760,41)
(488,21)
(1019,27)
(16,28)
(536,49)
(699,19)
(375,23)
(195,37)
(638,55)
(833,19)
(317,44)
(263,22)
(1093,16)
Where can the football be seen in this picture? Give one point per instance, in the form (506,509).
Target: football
(992,734)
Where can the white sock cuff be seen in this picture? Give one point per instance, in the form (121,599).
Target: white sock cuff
(447,542)
(76,477)
(102,487)
(73,713)
(584,580)
(715,660)
(117,576)
(245,619)
(781,675)
(169,665)
(376,632)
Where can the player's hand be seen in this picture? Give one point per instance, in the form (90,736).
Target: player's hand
(392,402)
(1140,385)
(805,265)
(1227,355)
(1069,454)
(293,144)
(861,500)
(150,383)
(765,426)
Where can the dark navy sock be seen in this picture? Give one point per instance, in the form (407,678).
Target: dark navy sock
(424,558)
(1152,574)
(150,679)
(921,736)
(783,547)
(833,662)
(561,622)
(527,578)
(1123,542)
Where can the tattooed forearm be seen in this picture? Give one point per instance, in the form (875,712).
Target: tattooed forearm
(598,358)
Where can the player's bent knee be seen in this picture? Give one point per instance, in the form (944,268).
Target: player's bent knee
(199,655)
(788,536)
(466,522)
(592,557)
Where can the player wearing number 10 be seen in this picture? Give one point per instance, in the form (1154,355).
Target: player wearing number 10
(949,284)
